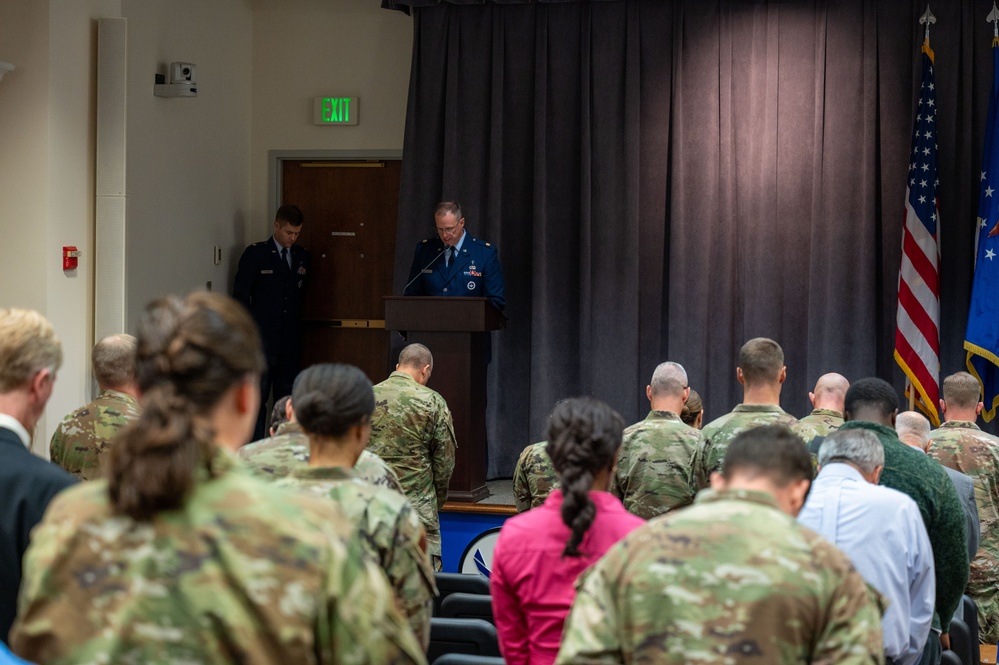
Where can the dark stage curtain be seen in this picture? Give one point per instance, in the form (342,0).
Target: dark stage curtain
(665,180)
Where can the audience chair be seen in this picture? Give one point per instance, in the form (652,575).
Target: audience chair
(465,659)
(448,583)
(949,658)
(468,606)
(473,637)
(960,641)
(971,618)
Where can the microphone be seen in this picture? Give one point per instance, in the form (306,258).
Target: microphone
(424,268)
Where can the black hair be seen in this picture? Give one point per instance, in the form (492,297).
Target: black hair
(330,398)
(584,435)
(291,214)
(871,393)
(189,352)
(773,451)
(279,412)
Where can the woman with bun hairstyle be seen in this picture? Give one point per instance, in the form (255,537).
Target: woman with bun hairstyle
(693,411)
(333,404)
(540,553)
(179,555)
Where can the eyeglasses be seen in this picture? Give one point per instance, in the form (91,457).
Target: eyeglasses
(448,230)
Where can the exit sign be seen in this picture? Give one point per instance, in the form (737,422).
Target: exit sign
(335,110)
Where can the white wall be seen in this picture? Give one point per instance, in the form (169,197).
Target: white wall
(188,173)
(24,100)
(310,48)
(70,184)
(46,176)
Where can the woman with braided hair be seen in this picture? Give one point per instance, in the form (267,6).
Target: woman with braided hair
(179,556)
(540,553)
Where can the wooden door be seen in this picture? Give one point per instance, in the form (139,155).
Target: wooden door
(350,210)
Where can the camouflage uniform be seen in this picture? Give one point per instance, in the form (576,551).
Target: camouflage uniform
(534,477)
(84,436)
(962,446)
(288,449)
(660,465)
(721,431)
(820,422)
(412,431)
(730,580)
(243,572)
(390,530)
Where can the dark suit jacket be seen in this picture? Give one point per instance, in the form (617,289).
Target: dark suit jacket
(27,484)
(965,487)
(475,272)
(274,293)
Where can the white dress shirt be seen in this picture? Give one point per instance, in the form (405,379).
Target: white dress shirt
(882,532)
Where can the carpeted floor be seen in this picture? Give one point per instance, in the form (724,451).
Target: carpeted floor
(500,492)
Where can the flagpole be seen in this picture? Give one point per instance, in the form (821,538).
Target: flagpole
(917,340)
(927,19)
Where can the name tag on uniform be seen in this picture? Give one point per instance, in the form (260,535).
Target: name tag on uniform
(428,272)
(266,272)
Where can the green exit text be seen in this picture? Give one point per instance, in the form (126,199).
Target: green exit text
(335,111)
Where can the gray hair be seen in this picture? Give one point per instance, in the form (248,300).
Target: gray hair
(669,379)
(857,446)
(912,423)
(113,360)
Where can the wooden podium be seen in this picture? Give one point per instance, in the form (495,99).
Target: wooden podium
(456,330)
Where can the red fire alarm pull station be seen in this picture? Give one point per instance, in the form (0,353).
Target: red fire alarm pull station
(70,257)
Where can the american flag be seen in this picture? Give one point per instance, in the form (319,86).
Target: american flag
(917,332)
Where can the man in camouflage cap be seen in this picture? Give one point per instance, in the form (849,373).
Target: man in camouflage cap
(827,412)
(761,372)
(277,456)
(660,465)
(84,437)
(959,444)
(413,432)
(733,578)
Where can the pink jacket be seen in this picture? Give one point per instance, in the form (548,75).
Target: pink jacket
(532,585)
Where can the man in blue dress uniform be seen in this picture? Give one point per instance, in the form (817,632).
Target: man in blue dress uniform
(270,282)
(454,263)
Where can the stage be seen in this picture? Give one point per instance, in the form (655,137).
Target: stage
(468,530)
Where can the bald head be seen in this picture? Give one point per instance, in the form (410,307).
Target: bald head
(830,392)
(913,429)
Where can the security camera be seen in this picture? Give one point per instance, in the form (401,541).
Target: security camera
(183,72)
